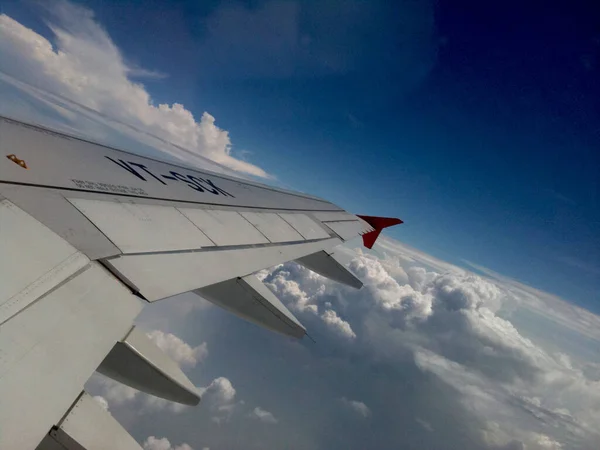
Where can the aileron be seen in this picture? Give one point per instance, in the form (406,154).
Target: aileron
(138,228)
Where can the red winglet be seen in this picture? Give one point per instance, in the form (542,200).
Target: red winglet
(379,223)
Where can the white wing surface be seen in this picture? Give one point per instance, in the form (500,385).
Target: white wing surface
(91,234)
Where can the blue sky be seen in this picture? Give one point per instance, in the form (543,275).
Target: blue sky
(477,125)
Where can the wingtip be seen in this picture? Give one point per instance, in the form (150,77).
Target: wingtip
(379,223)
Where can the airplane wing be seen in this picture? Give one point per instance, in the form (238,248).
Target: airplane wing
(89,235)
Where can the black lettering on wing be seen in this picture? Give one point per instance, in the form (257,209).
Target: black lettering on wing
(127,167)
(225,193)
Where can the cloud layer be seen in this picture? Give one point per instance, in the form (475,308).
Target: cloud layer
(154,443)
(84,70)
(426,355)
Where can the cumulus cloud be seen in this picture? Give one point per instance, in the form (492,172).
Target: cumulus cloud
(219,390)
(401,300)
(546,442)
(358,407)
(82,65)
(154,443)
(219,397)
(181,352)
(452,322)
(342,327)
(263,415)
(289,289)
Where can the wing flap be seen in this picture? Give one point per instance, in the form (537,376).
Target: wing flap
(273,227)
(156,276)
(138,362)
(137,227)
(308,228)
(224,228)
(250,299)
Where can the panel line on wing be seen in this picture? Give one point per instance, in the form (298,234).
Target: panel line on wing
(254,226)
(195,225)
(273,227)
(305,225)
(224,227)
(220,248)
(3,320)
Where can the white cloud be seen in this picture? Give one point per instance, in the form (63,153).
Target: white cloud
(546,442)
(101,401)
(114,392)
(358,407)
(220,391)
(290,291)
(219,397)
(342,327)
(263,415)
(547,305)
(153,443)
(401,300)
(84,66)
(454,324)
(180,351)
(151,404)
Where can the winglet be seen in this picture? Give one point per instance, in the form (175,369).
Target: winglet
(379,223)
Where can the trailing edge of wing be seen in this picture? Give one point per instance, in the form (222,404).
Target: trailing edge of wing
(139,363)
(327,265)
(250,299)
